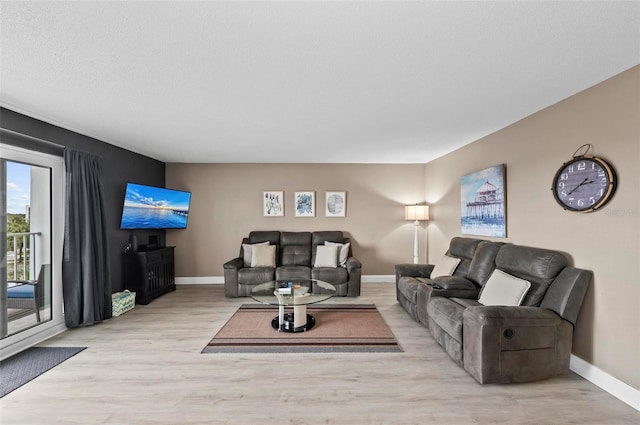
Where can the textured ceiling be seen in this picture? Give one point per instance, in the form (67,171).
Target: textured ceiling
(367,82)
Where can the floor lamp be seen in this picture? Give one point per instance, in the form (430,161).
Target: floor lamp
(416,213)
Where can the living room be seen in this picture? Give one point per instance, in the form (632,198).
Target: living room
(226,206)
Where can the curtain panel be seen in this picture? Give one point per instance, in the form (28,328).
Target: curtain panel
(85,267)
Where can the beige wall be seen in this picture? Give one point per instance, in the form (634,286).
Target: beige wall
(607,241)
(226,205)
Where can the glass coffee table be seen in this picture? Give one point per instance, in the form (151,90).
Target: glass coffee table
(293,293)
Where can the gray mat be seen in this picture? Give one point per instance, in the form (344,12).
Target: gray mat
(27,365)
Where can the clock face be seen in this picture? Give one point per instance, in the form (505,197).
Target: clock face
(584,184)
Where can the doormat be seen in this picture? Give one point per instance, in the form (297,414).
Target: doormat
(342,328)
(29,364)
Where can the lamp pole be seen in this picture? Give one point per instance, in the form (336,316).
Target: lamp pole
(415,242)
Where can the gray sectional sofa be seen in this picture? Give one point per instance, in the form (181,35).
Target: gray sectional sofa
(295,258)
(498,343)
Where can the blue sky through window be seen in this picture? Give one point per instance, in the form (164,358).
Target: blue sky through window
(18,187)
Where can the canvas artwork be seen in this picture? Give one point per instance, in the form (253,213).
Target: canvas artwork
(305,204)
(483,207)
(273,203)
(336,204)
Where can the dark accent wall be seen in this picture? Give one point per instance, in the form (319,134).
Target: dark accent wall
(120,166)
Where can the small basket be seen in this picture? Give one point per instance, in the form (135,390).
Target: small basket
(121,302)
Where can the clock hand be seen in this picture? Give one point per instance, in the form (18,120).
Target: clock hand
(576,188)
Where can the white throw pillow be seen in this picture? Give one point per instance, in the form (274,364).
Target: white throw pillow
(263,256)
(445,266)
(326,256)
(504,289)
(247,251)
(343,252)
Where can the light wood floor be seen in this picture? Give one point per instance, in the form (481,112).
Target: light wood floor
(145,367)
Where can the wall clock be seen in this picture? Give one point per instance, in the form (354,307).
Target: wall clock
(585,183)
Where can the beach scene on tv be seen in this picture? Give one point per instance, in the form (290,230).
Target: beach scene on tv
(147,207)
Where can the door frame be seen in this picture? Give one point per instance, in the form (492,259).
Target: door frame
(22,340)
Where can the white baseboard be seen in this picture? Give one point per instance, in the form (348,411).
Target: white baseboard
(203,280)
(613,386)
(216,280)
(378,278)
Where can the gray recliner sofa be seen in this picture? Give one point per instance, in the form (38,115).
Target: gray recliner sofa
(295,259)
(495,343)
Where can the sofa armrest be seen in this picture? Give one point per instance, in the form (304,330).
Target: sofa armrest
(235,264)
(231,269)
(497,315)
(514,344)
(413,270)
(454,283)
(354,270)
(566,293)
(353,264)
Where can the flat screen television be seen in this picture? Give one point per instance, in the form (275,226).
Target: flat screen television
(148,207)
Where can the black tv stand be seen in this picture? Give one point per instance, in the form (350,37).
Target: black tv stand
(149,273)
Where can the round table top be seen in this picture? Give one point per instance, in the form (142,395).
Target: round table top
(293,292)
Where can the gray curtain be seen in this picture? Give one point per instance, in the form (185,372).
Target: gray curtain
(86,277)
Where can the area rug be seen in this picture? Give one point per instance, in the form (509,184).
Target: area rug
(338,328)
(29,364)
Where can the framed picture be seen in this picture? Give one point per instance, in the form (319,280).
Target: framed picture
(273,203)
(305,204)
(335,204)
(483,207)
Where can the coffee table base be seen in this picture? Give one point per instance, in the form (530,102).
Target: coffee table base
(288,323)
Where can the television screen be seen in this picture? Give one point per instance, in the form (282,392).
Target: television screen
(148,207)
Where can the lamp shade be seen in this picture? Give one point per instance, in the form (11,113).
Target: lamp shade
(416,212)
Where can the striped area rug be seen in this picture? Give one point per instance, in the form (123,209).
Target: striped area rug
(338,328)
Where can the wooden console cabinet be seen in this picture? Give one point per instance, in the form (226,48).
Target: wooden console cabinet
(149,273)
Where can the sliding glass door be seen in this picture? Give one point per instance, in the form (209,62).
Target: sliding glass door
(30,290)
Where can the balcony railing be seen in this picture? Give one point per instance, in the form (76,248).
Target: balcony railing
(21,258)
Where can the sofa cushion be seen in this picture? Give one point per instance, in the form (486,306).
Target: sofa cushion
(334,275)
(21,291)
(343,251)
(255,275)
(538,266)
(465,302)
(483,262)
(447,315)
(293,273)
(295,255)
(326,256)
(295,249)
(445,266)
(454,283)
(263,256)
(463,247)
(504,289)
(271,236)
(247,252)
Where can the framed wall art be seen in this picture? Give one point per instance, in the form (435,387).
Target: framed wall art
(273,203)
(305,204)
(483,207)
(335,204)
